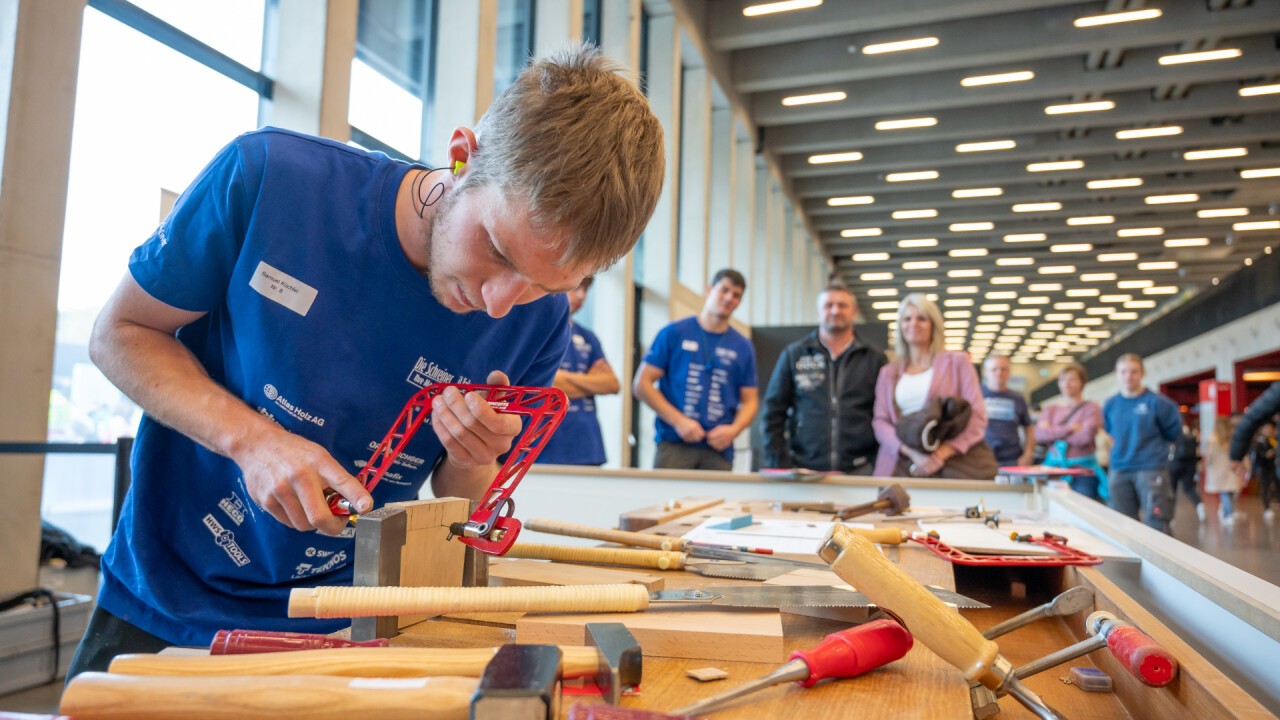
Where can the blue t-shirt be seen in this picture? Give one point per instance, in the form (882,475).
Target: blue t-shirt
(316,319)
(703,373)
(1141,428)
(1006,412)
(577,441)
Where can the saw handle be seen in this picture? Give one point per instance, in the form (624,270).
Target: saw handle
(653,559)
(953,638)
(350,602)
(882,536)
(621,537)
(851,652)
(243,642)
(1141,655)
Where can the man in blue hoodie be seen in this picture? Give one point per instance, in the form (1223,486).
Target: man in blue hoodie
(1142,425)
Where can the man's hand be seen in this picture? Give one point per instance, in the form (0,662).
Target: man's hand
(1237,467)
(473,434)
(690,430)
(1025,459)
(721,437)
(287,477)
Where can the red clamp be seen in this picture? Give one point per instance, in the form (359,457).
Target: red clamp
(1065,555)
(491,528)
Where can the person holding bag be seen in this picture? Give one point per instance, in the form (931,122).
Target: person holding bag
(1069,430)
(923,371)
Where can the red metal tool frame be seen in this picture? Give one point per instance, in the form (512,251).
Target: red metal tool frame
(1065,555)
(491,528)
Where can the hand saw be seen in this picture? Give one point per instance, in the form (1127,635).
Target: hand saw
(656,560)
(350,602)
(888,536)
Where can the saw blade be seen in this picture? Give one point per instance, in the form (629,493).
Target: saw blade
(737,571)
(780,596)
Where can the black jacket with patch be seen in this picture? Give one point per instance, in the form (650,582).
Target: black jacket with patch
(818,413)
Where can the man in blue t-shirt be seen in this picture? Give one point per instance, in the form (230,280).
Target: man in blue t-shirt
(699,376)
(1142,426)
(583,374)
(299,293)
(1007,415)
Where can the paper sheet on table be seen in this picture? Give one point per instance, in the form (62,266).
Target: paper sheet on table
(977,538)
(788,537)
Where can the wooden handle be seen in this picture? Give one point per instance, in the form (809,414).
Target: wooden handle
(621,537)
(103,696)
(655,559)
(346,662)
(953,638)
(349,602)
(883,536)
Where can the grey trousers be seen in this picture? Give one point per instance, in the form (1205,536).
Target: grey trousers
(1148,490)
(678,456)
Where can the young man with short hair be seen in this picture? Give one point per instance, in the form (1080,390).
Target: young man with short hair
(699,376)
(1143,426)
(1008,420)
(300,292)
(822,393)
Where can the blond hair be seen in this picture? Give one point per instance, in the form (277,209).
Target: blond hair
(923,304)
(1222,432)
(1130,357)
(577,141)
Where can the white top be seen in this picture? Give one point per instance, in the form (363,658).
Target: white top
(912,392)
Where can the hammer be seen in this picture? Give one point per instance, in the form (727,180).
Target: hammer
(892,500)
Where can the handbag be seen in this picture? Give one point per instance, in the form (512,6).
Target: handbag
(940,420)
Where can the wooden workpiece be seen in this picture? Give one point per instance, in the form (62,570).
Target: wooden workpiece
(515,573)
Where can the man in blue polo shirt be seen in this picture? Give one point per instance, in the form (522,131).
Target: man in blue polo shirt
(1008,420)
(299,293)
(699,376)
(1142,425)
(583,374)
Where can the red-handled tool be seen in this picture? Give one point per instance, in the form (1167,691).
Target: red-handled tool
(245,642)
(1143,656)
(845,654)
(491,528)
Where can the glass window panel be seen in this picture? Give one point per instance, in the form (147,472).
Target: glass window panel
(515,42)
(385,110)
(232,27)
(591,21)
(389,78)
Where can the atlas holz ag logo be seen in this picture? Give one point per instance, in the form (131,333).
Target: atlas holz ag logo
(294,411)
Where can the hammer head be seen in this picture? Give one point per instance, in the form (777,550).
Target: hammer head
(1072,601)
(621,660)
(521,681)
(897,498)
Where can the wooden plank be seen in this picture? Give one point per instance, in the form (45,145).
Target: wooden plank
(701,633)
(647,517)
(510,572)
(428,557)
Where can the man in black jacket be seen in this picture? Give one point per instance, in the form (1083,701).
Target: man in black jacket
(819,402)
(1260,411)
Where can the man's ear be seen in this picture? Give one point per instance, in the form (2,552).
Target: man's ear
(461,145)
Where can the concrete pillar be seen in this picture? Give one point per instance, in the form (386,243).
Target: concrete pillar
(314,48)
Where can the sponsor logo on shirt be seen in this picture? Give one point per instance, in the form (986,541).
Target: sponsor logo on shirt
(1141,409)
(690,345)
(424,373)
(233,507)
(413,462)
(727,353)
(335,559)
(226,540)
(283,403)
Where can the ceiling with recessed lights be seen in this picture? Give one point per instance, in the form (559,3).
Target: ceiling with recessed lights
(1053,170)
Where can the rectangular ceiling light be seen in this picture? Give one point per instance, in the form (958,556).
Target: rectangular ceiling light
(900,45)
(920,265)
(1033,300)
(1115,298)
(1054,166)
(887,316)
(1186,242)
(1140,232)
(1161,265)
(1171,199)
(906,123)
(959,302)
(1002,295)
(994,308)
(1091,220)
(987,145)
(1045,287)
(1256,173)
(870,257)
(851,200)
(1204,56)
(1007,261)
(876,276)
(1134,284)
(998,78)
(912,176)
(1118,257)
(1222,212)
(815,98)
(1069,305)
(971,227)
(1254,90)
(860,232)
(1025,237)
(1071,248)
(1135,133)
(843,157)
(918,243)
(968,252)
(1260,225)
(1113,183)
(1057,270)
(1037,207)
(885,305)
(977,192)
(965,273)
(1008,280)
(922,283)
(1161,290)
(913,214)
(1098,277)
(1080,107)
(1140,304)
(1215,153)
(963,290)
(882,292)
(777,7)
(1084,292)
(1117,17)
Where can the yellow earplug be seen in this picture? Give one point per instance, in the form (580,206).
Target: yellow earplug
(457,166)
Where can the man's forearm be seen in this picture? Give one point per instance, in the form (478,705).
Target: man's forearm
(651,396)
(590,383)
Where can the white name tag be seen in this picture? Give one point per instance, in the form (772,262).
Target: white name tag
(283,288)
(690,345)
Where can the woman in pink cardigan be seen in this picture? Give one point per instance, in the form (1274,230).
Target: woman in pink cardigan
(922,370)
(1069,430)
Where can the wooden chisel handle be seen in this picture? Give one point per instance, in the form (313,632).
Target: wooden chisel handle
(621,537)
(105,696)
(346,662)
(953,638)
(884,536)
(350,602)
(655,559)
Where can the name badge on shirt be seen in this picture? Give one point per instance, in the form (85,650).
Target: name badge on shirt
(283,288)
(690,345)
